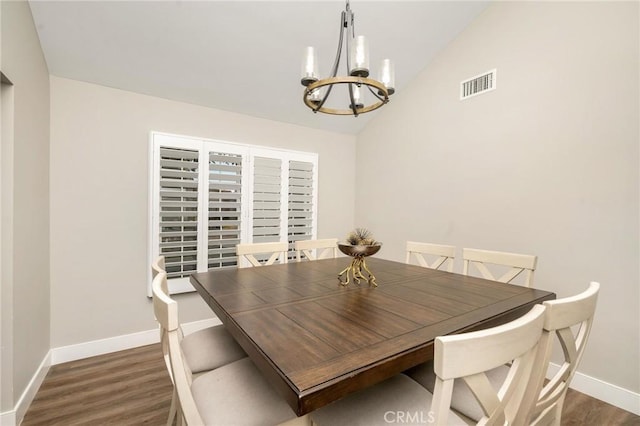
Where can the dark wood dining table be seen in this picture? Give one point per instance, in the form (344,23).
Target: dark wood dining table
(316,341)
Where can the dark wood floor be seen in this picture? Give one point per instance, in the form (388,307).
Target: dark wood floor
(132,387)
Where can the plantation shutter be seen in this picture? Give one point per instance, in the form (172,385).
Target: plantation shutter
(267,193)
(178,210)
(225,209)
(301,202)
(208,196)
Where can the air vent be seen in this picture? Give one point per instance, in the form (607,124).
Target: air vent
(477,85)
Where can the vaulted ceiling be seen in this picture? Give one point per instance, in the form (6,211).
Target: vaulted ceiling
(239,56)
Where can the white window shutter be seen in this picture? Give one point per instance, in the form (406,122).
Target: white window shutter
(208,196)
(301,201)
(224,209)
(178,210)
(266,199)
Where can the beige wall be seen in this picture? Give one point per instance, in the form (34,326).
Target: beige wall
(100,198)
(25,204)
(546,164)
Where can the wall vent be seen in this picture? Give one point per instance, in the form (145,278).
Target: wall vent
(477,85)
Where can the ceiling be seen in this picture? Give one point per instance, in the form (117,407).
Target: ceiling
(239,56)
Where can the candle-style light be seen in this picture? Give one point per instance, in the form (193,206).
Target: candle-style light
(388,75)
(360,57)
(309,66)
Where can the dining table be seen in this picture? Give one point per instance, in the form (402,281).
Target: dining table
(316,341)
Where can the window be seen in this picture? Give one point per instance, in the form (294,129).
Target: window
(207,196)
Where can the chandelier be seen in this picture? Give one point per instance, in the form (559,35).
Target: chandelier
(317,91)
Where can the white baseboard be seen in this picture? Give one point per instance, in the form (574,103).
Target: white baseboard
(119,343)
(86,350)
(15,416)
(103,346)
(8,418)
(607,392)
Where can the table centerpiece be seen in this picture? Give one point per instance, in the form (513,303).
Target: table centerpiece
(359,244)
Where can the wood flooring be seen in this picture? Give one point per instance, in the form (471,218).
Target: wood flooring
(132,387)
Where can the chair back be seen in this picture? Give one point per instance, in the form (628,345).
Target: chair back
(569,319)
(443,254)
(275,250)
(158,266)
(518,263)
(166,311)
(325,249)
(516,342)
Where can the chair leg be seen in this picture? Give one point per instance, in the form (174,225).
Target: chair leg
(558,410)
(172,409)
(180,420)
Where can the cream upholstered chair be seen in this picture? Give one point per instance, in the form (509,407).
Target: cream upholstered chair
(443,254)
(561,316)
(519,263)
(327,248)
(205,349)
(235,393)
(275,250)
(516,341)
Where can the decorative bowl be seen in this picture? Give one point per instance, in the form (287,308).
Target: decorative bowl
(358,251)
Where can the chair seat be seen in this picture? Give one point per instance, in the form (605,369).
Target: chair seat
(397,400)
(238,394)
(210,348)
(462,400)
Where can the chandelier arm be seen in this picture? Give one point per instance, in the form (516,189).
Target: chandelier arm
(349,25)
(376,95)
(336,62)
(324,99)
(353,101)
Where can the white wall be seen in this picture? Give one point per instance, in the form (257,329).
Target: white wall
(99,199)
(546,164)
(25,203)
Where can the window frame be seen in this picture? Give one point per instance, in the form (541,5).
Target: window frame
(204,147)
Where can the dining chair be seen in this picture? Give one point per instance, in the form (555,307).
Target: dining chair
(561,317)
(444,255)
(274,250)
(205,349)
(516,341)
(235,393)
(157,266)
(326,248)
(518,263)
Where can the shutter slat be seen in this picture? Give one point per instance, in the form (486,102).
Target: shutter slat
(166,152)
(228,159)
(225,169)
(224,205)
(300,198)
